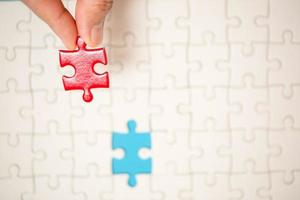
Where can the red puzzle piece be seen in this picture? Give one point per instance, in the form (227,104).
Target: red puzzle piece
(83,60)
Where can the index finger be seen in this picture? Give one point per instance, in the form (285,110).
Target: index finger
(57,17)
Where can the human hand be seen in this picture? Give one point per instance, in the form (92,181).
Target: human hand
(89,15)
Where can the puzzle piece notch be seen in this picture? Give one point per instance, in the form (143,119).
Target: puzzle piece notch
(278,22)
(11,37)
(131,143)
(285,55)
(200,13)
(134,62)
(284,144)
(83,61)
(12,115)
(22,184)
(247,32)
(239,183)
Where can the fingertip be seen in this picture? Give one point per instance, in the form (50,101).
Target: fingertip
(71,43)
(90,17)
(92,37)
(66,29)
(70,46)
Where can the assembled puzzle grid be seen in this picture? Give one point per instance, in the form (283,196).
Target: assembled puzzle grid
(215,83)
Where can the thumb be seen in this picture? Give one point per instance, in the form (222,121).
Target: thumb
(90,16)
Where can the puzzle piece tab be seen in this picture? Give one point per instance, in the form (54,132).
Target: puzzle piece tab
(83,61)
(131,143)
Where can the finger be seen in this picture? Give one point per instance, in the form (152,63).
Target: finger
(57,17)
(90,16)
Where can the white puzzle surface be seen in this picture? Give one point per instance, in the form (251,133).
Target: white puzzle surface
(216,82)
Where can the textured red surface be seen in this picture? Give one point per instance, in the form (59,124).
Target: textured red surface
(83,61)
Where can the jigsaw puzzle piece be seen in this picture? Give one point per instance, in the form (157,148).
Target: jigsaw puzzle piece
(12,121)
(83,61)
(280,189)
(130,60)
(207,57)
(131,143)
(206,17)
(219,189)
(15,69)
(167,116)
(12,13)
(209,142)
(255,151)
(164,16)
(255,64)
(143,190)
(136,107)
(163,66)
(180,182)
(285,145)
(281,106)
(51,145)
(20,185)
(172,149)
(286,57)
(42,190)
(203,108)
(57,107)
(92,185)
(12,151)
(45,69)
(281,19)
(90,151)
(247,32)
(247,97)
(239,182)
(122,22)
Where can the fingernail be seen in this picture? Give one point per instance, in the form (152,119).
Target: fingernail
(96,35)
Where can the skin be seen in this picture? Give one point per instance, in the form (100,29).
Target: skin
(89,15)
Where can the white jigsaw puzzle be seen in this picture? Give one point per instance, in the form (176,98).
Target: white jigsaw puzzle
(215,82)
